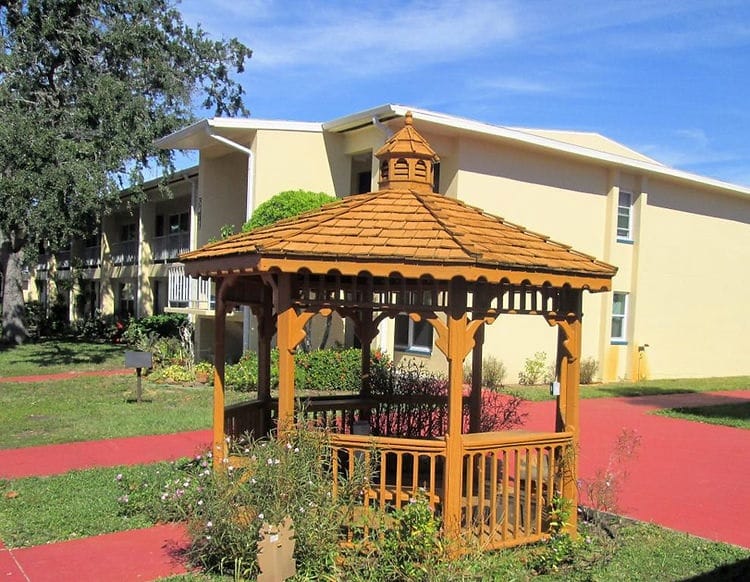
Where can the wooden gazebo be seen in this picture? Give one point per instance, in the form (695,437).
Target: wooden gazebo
(405,249)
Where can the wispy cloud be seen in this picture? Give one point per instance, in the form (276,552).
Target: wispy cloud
(518,85)
(368,37)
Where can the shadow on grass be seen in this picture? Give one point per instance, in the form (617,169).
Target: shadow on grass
(56,352)
(730,412)
(739,571)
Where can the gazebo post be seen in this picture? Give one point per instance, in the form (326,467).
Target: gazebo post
(568,402)
(286,324)
(265,334)
(480,304)
(218,449)
(457,348)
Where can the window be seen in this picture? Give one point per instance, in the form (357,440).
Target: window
(625,217)
(619,318)
(125,300)
(128,232)
(413,336)
(172,224)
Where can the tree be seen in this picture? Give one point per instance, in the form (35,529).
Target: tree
(86,86)
(286,205)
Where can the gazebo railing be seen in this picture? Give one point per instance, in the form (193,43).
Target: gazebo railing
(508,483)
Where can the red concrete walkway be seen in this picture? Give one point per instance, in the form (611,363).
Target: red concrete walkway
(55,459)
(688,476)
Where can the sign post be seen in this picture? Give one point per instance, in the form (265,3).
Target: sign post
(138,360)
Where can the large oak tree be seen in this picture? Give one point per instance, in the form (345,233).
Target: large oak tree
(86,86)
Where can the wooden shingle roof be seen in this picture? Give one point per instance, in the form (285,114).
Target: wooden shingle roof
(402,231)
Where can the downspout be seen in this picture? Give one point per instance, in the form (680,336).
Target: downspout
(249,206)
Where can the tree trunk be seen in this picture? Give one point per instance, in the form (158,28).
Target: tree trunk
(11,256)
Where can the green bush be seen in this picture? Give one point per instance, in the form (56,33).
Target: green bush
(493,373)
(164,325)
(285,205)
(589,367)
(329,370)
(290,477)
(534,370)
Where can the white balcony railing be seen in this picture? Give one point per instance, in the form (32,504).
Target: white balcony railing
(189,293)
(91,257)
(124,252)
(167,248)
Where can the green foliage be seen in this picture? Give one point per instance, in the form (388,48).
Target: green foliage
(279,478)
(533,369)
(164,325)
(493,373)
(411,547)
(320,370)
(589,367)
(329,370)
(168,337)
(286,205)
(90,85)
(97,327)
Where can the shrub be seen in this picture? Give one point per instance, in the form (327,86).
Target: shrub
(285,205)
(493,373)
(589,367)
(290,477)
(534,370)
(329,370)
(413,402)
(94,328)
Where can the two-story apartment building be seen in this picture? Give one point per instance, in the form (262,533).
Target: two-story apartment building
(676,237)
(122,268)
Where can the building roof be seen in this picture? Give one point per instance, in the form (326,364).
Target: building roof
(584,146)
(413,233)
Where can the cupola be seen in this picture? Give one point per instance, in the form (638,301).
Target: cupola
(406,160)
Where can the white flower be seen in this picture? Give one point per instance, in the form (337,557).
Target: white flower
(209,524)
(200,502)
(261,516)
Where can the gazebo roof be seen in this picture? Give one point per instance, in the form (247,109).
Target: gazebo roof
(405,231)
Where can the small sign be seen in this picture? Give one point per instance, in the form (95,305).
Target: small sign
(138,359)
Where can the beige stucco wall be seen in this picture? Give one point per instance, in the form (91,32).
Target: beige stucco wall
(291,160)
(693,282)
(222,189)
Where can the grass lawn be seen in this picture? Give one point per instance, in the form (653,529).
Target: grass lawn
(644,388)
(91,408)
(735,415)
(58,355)
(82,503)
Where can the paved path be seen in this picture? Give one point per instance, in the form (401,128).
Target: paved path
(688,476)
(55,459)
(65,376)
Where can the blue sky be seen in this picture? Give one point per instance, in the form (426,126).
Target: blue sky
(669,78)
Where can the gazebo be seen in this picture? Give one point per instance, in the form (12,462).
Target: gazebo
(405,249)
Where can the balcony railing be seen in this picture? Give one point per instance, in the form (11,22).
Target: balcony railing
(63,260)
(168,248)
(124,252)
(91,257)
(189,293)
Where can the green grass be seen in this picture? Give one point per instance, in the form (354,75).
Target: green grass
(58,355)
(735,415)
(96,408)
(644,388)
(63,507)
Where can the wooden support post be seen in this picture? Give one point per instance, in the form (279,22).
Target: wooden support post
(287,317)
(457,350)
(265,335)
(219,448)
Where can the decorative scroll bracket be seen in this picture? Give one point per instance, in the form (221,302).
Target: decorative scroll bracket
(566,325)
